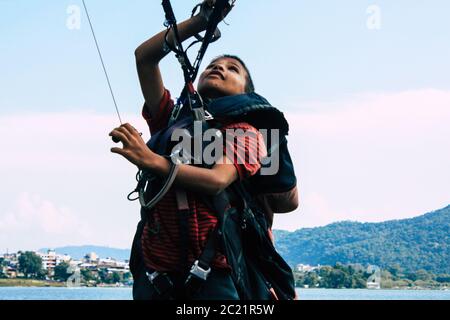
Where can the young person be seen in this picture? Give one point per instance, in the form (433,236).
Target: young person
(158,243)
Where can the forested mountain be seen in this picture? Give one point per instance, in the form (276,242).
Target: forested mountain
(419,243)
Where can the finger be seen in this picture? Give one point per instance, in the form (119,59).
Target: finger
(117,133)
(119,151)
(126,133)
(132,130)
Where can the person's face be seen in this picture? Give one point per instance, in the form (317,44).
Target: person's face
(222,77)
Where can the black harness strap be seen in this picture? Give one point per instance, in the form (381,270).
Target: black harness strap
(183,218)
(202,267)
(189,96)
(200,270)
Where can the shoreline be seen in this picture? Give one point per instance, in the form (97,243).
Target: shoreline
(32,283)
(28,283)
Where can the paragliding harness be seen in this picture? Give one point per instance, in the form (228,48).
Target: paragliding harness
(241,234)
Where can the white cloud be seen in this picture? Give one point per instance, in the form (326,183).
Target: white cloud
(65,158)
(314,210)
(55,140)
(371,158)
(38,222)
(409,111)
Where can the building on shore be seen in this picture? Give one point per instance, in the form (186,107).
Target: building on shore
(305,268)
(91,262)
(50,260)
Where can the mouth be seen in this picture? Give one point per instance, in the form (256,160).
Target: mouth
(216,73)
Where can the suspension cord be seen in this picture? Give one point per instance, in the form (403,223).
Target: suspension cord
(103,64)
(213,21)
(190,70)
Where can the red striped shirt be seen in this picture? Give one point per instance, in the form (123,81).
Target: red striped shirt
(161,237)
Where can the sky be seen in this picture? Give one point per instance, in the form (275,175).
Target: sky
(363,84)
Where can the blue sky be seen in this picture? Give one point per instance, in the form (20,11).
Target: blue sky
(316,49)
(368,109)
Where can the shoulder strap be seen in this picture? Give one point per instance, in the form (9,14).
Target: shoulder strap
(202,266)
(183,217)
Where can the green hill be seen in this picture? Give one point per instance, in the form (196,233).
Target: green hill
(419,243)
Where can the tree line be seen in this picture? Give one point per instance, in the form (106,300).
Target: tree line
(30,265)
(418,243)
(354,276)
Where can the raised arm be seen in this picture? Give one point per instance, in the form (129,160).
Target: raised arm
(149,54)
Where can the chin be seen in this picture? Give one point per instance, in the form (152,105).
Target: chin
(211,92)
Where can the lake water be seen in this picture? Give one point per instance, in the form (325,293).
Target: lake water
(304,294)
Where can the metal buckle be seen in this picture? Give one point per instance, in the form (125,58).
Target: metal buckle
(152,276)
(208,116)
(199,272)
(161,283)
(175,113)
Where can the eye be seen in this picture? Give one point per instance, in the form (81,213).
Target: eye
(234,68)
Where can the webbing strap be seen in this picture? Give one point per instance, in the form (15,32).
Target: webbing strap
(220,203)
(183,217)
(190,70)
(202,267)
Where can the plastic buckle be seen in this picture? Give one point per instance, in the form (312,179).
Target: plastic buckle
(152,276)
(175,113)
(199,272)
(161,282)
(208,116)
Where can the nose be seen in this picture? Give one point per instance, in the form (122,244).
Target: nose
(218,67)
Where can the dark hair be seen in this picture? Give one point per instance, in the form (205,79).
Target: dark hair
(249,86)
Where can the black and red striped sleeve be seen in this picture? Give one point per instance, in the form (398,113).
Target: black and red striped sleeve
(160,120)
(244,146)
